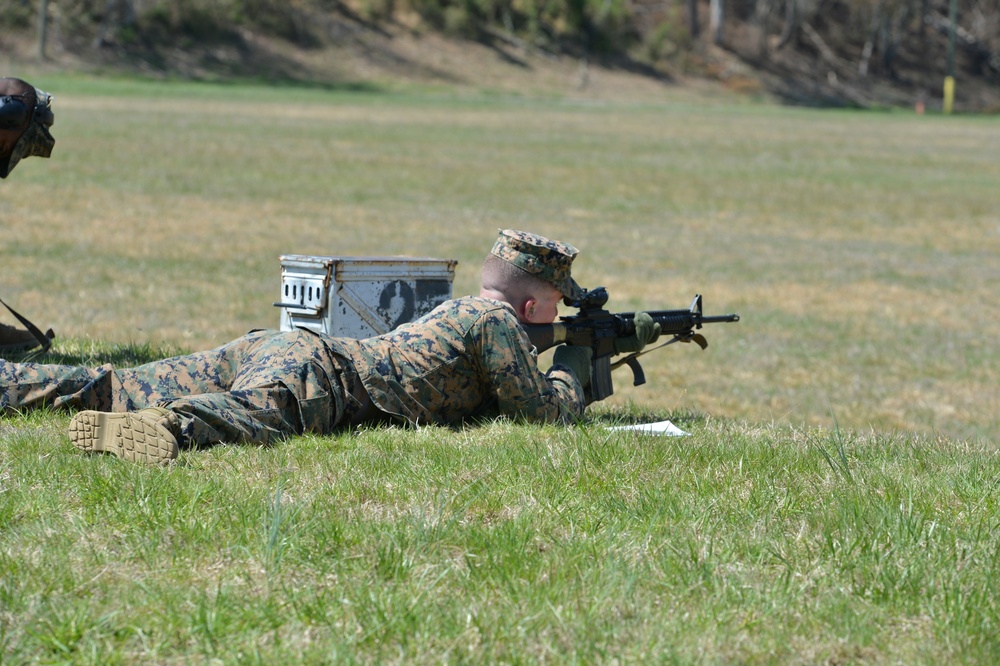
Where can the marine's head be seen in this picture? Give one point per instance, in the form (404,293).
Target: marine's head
(25,118)
(547,259)
(531,273)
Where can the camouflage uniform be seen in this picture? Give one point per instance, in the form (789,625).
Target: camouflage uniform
(468,357)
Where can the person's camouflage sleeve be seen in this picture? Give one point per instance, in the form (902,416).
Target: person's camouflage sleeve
(469,357)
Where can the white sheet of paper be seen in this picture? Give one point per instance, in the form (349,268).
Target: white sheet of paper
(665,428)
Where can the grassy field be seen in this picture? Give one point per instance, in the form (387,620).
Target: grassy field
(836,501)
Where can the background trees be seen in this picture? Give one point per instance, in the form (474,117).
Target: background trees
(835,42)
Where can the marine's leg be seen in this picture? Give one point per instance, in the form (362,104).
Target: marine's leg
(285,386)
(34,385)
(128,389)
(280,386)
(211,371)
(147,435)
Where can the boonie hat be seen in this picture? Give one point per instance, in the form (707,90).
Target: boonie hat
(25,118)
(548,259)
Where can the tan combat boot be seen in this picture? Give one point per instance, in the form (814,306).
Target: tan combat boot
(147,436)
(16,339)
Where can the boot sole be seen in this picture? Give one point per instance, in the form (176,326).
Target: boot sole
(129,435)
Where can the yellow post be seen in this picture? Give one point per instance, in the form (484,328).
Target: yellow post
(949,93)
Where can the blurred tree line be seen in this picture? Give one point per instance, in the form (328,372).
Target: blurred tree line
(860,35)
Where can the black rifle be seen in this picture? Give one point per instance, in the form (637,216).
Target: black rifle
(593,326)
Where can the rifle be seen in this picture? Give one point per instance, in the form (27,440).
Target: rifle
(593,326)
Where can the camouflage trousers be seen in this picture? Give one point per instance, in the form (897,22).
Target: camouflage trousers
(262,387)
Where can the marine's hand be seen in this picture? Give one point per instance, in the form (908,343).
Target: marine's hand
(646,332)
(576,359)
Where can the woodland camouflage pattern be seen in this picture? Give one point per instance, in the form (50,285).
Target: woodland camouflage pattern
(469,357)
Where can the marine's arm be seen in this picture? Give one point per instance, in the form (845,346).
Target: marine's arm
(511,366)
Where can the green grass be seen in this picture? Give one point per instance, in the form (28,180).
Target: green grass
(504,543)
(835,503)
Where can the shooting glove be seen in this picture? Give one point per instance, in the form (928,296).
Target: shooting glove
(646,332)
(577,359)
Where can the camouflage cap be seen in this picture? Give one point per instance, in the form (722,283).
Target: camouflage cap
(25,118)
(548,259)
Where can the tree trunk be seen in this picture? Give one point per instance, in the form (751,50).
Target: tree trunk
(43,27)
(866,56)
(693,18)
(715,18)
(762,17)
(874,33)
(791,23)
(892,35)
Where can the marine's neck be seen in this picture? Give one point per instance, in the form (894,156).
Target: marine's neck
(486,292)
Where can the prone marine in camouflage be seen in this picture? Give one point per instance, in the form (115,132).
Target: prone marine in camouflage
(469,357)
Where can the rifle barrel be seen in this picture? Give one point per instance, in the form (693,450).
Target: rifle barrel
(680,316)
(720,319)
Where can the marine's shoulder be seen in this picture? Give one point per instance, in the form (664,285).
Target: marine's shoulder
(462,316)
(472,306)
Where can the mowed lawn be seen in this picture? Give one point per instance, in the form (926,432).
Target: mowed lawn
(836,501)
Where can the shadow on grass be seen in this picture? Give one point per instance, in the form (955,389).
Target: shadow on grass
(630,415)
(120,356)
(610,415)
